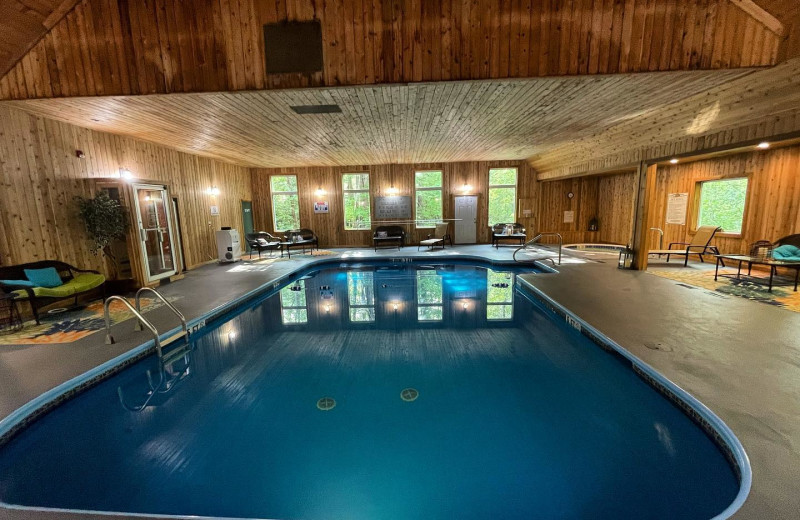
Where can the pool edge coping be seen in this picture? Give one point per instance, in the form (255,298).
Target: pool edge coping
(705,418)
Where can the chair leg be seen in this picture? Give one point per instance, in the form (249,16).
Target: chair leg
(35,312)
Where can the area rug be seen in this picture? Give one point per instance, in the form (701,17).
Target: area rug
(72,325)
(781,296)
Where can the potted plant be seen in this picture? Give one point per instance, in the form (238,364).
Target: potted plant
(106,222)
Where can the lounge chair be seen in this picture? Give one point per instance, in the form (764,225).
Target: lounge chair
(262,241)
(700,245)
(438,238)
(507,231)
(387,235)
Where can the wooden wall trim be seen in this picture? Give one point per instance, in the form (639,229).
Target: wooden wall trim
(112,47)
(761,15)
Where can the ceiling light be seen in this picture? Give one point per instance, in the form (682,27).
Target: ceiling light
(673,161)
(763,145)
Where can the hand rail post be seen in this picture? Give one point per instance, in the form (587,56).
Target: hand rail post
(107,316)
(171,307)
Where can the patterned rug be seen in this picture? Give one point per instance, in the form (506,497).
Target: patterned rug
(72,325)
(781,295)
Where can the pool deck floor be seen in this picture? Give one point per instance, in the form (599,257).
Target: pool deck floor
(740,358)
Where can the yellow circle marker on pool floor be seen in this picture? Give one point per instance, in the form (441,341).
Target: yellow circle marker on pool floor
(409,394)
(326,403)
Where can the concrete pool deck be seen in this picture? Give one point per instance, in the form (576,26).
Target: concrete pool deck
(740,358)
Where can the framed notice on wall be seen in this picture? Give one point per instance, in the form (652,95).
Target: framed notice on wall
(393,207)
(676,208)
(321,206)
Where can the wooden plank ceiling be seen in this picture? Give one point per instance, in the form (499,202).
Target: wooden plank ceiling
(418,123)
(115,47)
(25,22)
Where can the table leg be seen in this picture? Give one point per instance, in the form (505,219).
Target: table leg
(739,271)
(771,273)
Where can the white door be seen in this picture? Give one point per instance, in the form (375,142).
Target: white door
(466,219)
(154,220)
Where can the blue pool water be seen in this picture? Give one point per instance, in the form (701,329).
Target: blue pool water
(517,416)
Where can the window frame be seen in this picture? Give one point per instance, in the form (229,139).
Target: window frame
(272,194)
(508,304)
(356,306)
(436,305)
(369,201)
(440,189)
(494,186)
(694,211)
(285,307)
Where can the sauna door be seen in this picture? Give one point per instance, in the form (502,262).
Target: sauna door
(466,219)
(154,221)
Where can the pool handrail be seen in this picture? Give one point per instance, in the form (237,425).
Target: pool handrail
(536,239)
(171,307)
(142,320)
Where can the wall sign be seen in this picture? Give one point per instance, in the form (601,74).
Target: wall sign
(393,207)
(214,211)
(676,208)
(569,217)
(321,206)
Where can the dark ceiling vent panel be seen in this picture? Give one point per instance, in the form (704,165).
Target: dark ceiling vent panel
(317,109)
(293,47)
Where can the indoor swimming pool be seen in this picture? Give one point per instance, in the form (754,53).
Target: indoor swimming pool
(377,391)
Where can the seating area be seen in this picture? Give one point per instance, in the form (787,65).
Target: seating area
(508,232)
(438,238)
(389,236)
(262,241)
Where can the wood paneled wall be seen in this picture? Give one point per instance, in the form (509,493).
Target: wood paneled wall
(773,197)
(330,226)
(116,47)
(610,199)
(41,175)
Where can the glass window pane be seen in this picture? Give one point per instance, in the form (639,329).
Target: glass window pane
(429,287)
(286,212)
(722,204)
(292,316)
(499,312)
(499,287)
(432,179)
(363,314)
(294,295)
(502,205)
(283,183)
(360,288)
(355,181)
(429,207)
(357,210)
(429,313)
(506,176)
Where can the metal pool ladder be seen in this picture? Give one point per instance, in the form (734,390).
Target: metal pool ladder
(142,322)
(536,239)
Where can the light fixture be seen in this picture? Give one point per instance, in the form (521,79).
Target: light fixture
(328,307)
(395,305)
(147,198)
(763,145)
(465,305)
(392,190)
(213,191)
(466,188)
(320,192)
(673,161)
(125,174)
(232,335)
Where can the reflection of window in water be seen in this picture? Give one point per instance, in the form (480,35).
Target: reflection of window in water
(429,296)
(361,296)
(293,303)
(499,295)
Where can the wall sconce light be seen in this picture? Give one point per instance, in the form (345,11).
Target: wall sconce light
(673,161)
(395,305)
(763,145)
(232,335)
(213,191)
(320,192)
(392,190)
(465,305)
(125,174)
(328,308)
(79,154)
(147,198)
(466,188)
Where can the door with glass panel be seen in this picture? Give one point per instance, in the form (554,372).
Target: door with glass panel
(154,223)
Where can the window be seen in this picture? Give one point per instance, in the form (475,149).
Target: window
(502,195)
(355,189)
(293,303)
(722,204)
(499,296)
(428,188)
(429,296)
(285,203)
(361,296)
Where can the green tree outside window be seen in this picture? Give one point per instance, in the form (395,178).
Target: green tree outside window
(285,202)
(428,188)
(502,195)
(722,204)
(355,189)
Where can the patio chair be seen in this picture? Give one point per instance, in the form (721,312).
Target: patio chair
(700,245)
(262,241)
(438,238)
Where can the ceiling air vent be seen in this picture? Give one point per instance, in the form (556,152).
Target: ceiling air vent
(317,109)
(292,47)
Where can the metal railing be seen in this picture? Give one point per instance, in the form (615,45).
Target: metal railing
(536,239)
(142,320)
(660,237)
(171,307)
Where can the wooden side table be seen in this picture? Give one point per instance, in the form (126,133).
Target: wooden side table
(10,318)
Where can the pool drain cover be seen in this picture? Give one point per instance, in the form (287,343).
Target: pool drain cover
(326,403)
(409,394)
